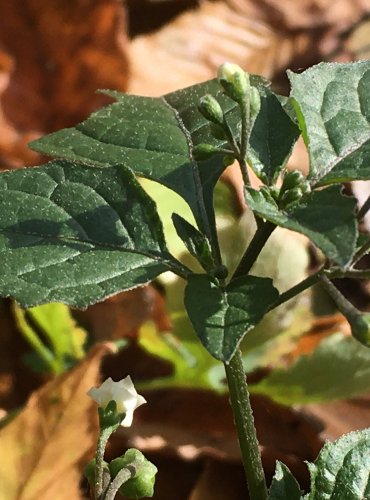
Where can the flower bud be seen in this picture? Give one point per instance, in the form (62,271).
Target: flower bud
(220,272)
(204,151)
(255,102)
(211,109)
(291,196)
(291,180)
(360,328)
(234,81)
(142,484)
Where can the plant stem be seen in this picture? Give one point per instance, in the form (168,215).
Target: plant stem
(244,421)
(361,252)
(100,449)
(238,387)
(297,289)
(364,209)
(124,475)
(244,139)
(258,242)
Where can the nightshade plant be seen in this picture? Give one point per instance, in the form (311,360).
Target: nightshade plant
(81,227)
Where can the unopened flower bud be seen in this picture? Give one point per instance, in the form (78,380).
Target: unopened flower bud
(291,180)
(220,272)
(142,484)
(255,102)
(360,328)
(291,196)
(204,151)
(211,109)
(234,81)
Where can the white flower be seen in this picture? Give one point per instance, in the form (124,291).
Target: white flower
(123,393)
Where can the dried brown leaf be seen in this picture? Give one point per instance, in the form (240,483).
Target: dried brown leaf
(45,448)
(60,53)
(193,45)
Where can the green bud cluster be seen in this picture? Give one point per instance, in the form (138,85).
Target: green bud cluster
(294,186)
(142,484)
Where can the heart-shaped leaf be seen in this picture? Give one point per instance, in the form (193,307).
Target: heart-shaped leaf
(222,316)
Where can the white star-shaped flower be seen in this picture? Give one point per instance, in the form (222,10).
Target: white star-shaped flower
(123,393)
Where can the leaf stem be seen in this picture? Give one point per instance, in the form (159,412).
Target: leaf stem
(297,289)
(244,421)
(100,449)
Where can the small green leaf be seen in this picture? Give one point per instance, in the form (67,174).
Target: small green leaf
(342,469)
(273,137)
(333,108)
(222,316)
(196,243)
(338,368)
(73,234)
(284,486)
(56,324)
(325,216)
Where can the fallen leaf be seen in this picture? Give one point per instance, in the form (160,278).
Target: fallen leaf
(191,47)
(60,53)
(45,448)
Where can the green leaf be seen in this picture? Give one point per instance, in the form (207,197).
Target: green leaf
(155,137)
(342,469)
(273,137)
(325,216)
(196,243)
(284,486)
(338,368)
(72,234)
(333,108)
(222,316)
(54,321)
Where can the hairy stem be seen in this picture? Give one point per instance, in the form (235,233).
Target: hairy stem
(100,449)
(244,421)
(124,475)
(244,140)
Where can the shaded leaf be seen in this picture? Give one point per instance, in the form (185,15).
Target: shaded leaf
(284,486)
(65,340)
(338,368)
(342,469)
(273,138)
(333,106)
(326,217)
(67,234)
(46,432)
(222,316)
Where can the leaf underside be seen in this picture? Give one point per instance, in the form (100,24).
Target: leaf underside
(73,234)
(221,317)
